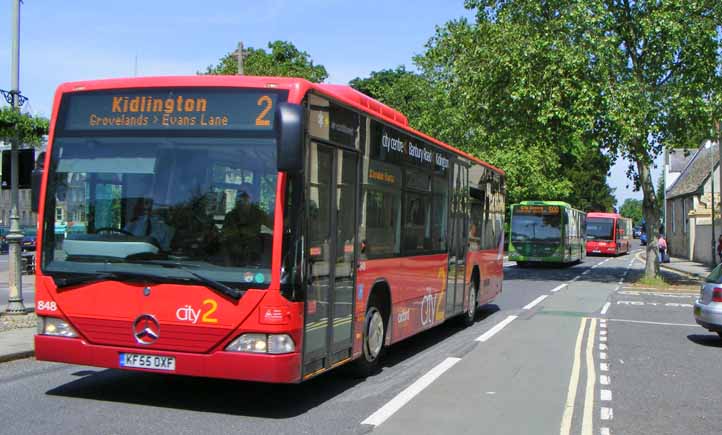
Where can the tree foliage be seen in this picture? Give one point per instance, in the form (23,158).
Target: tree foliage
(544,84)
(500,93)
(632,208)
(27,129)
(283,60)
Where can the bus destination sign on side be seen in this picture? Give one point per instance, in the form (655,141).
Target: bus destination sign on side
(542,210)
(179,109)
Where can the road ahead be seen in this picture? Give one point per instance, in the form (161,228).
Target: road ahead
(567,350)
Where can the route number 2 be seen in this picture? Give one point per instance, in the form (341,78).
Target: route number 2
(265,102)
(213,307)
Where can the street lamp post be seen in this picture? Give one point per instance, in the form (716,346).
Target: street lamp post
(15,299)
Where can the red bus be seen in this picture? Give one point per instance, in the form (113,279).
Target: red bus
(253,228)
(608,233)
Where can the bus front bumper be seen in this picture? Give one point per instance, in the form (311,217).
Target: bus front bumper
(283,368)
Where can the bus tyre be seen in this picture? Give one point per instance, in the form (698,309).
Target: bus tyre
(373,343)
(469,316)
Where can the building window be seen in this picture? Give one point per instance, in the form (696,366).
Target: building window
(674,221)
(59,214)
(684,216)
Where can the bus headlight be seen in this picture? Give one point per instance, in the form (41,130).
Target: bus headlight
(262,343)
(55,326)
(280,343)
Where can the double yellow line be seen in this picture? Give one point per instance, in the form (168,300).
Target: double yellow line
(588,412)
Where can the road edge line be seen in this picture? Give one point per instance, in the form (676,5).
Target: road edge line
(588,416)
(566,425)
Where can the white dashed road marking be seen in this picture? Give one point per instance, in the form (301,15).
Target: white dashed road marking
(498,327)
(412,390)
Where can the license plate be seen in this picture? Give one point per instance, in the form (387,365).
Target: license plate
(596,251)
(153,362)
(697,311)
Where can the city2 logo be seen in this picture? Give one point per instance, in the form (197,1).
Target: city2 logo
(428,308)
(189,314)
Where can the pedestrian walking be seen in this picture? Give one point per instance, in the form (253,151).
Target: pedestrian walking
(719,248)
(662,244)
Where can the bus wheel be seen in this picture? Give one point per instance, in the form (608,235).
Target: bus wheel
(373,343)
(470,314)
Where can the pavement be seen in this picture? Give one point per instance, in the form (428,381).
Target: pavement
(17,342)
(677,264)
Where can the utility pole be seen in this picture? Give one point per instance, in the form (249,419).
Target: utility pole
(240,55)
(15,299)
(719,162)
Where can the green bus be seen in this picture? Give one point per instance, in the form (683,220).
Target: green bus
(546,232)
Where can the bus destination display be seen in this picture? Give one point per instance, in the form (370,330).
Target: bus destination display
(538,210)
(180,109)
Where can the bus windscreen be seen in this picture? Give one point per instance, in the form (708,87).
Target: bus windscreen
(176,184)
(536,223)
(600,229)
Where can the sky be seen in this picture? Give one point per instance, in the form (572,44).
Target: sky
(77,40)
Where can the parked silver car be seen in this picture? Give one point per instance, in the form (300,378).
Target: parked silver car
(708,308)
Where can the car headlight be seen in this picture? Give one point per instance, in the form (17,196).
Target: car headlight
(55,326)
(262,343)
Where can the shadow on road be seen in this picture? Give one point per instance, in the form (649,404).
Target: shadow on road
(400,352)
(237,397)
(203,394)
(709,340)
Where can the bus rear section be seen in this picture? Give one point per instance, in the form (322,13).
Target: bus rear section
(214,234)
(608,234)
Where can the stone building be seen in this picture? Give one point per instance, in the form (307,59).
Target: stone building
(688,205)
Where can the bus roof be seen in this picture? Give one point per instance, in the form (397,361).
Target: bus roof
(557,203)
(600,214)
(297,89)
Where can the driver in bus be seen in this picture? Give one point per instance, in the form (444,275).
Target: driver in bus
(144,224)
(244,227)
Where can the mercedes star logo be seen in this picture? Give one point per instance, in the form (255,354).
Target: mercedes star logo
(146,329)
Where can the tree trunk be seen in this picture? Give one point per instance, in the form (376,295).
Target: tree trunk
(651,219)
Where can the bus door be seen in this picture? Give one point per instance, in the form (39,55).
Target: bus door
(458,246)
(331,216)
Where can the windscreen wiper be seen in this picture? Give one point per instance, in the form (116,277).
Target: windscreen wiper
(63,282)
(208,282)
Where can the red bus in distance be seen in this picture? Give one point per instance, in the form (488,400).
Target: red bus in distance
(253,228)
(608,233)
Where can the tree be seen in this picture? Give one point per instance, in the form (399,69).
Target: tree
(659,67)
(522,101)
(24,128)
(660,197)
(624,76)
(283,60)
(632,208)
(588,175)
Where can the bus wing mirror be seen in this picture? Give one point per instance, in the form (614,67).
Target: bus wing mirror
(289,129)
(36,181)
